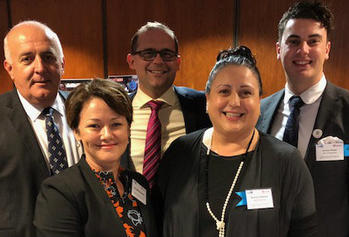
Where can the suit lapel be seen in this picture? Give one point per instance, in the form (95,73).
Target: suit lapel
(328,106)
(269,108)
(187,105)
(23,131)
(99,191)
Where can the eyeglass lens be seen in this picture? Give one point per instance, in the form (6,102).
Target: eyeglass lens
(165,54)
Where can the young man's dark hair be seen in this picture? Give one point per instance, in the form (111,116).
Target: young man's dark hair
(308,10)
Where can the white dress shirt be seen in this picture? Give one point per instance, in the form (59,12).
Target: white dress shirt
(72,148)
(171,119)
(308,112)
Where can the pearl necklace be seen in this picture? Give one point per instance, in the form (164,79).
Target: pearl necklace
(220,224)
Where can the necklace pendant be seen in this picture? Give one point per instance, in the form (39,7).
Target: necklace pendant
(220,225)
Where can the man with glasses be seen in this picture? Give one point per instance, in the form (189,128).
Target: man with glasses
(155,59)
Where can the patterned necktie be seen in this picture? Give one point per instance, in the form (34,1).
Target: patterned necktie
(152,150)
(56,152)
(291,129)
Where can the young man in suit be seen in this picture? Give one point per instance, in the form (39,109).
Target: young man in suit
(34,60)
(303,47)
(155,59)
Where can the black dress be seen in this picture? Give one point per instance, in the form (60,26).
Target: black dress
(274,165)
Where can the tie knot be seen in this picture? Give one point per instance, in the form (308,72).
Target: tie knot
(48,111)
(155,104)
(296,102)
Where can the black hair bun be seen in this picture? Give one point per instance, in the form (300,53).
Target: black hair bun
(240,51)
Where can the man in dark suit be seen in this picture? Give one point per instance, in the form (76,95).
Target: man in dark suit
(303,47)
(34,60)
(155,59)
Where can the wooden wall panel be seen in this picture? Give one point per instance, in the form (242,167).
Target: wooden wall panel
(259,32)
(79,27)
(203,28)
(336,68)
(5,81)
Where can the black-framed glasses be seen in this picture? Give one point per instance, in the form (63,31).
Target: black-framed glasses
(150,54)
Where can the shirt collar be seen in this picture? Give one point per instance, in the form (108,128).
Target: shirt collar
(310,95)
(34,112)
(141,99)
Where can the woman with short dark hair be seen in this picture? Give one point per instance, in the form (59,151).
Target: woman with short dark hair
(97,197)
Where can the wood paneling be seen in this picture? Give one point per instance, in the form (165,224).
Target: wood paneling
(258,26)
(203,28)
(79,27)
(336,68)
(5,81)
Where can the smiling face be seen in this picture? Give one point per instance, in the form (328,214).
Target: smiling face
(35,66)
(233,103)
(156,76)
(103,133)
(303,50)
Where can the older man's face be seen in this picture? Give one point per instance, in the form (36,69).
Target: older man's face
(35,66)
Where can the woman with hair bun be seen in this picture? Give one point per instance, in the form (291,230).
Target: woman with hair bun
(231,179)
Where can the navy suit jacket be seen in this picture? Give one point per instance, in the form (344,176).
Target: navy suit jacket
(331,178)
(193,104)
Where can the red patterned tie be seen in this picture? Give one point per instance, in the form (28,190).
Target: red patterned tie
(152,150)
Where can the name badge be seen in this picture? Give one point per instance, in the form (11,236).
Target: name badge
(139,192)
(259,198)
(330,149)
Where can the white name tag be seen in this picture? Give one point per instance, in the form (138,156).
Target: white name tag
(259,198)
(139,192)
(330,149)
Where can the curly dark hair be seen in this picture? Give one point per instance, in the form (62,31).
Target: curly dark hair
(314,10)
